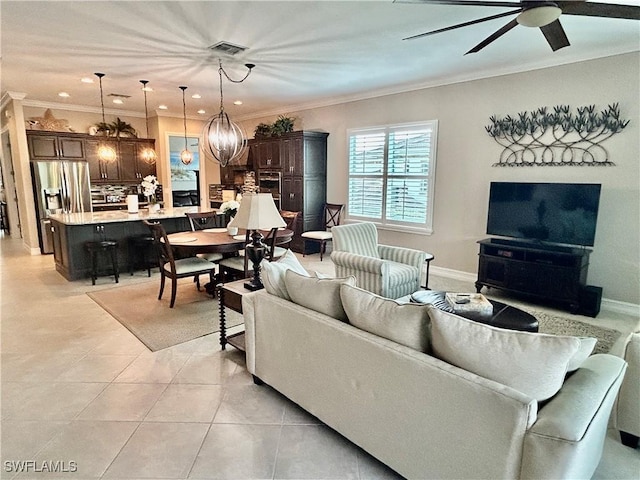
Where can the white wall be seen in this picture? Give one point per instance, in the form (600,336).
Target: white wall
(466,155)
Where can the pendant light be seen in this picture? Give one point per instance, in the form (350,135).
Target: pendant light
(186,156)
(147,154)
(106,152)
(224,140)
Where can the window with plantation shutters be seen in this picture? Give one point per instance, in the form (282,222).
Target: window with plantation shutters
(391,175)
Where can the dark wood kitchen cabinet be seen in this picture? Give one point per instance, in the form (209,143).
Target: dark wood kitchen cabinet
(302,165)
(128,166)
(55,146)
(132,166)
(99,170)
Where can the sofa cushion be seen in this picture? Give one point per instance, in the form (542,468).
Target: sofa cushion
(273,274)
(532,363)
(319,294)
(407,324)
(587,344)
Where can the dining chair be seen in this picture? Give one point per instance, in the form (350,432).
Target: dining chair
(331,218)
(277,246)
(204,221)
(176,268)
(236,266)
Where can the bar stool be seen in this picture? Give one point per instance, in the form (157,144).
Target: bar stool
(102,247)
(142,253)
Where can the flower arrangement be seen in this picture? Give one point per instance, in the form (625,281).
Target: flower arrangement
(149,185)
(230,207)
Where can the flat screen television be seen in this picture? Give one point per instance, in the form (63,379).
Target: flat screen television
(558,213)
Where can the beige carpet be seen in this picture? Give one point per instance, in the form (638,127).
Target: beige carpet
(567,326)
(137,307)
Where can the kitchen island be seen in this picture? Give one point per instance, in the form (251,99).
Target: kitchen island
(71,232)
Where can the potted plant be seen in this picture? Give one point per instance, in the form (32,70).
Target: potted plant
(116,128)
(283,125)
(263,130)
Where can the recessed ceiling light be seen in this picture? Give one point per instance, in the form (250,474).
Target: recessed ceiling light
(163,107)
(147,89)
(64,94)
(238,102)
(201,112)
(118,101)
(86,80)
(196,95)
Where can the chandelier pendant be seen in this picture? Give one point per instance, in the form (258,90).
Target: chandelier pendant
(186,157)
(225,140)
(147,154)
(105,151)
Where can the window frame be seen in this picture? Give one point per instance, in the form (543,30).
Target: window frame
(383,222)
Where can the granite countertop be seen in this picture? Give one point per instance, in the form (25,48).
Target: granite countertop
(114,216)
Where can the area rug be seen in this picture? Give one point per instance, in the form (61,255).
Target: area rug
(137,307)
(567,326)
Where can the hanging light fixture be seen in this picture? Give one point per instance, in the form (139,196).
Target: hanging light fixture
(186,156)
(106,152)
(224,140)
(147,154)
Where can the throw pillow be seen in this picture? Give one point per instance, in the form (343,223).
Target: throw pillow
(532,363)
(273,274)
(587,344)
(319,294)
(406,324)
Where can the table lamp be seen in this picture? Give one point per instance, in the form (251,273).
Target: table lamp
(257,212)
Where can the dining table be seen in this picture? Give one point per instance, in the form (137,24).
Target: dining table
(217,240)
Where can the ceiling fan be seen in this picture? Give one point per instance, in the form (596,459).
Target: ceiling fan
(535,13)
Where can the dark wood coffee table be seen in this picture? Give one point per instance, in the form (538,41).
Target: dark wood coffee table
(504,316)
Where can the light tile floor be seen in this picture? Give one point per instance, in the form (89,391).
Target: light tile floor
(79,389)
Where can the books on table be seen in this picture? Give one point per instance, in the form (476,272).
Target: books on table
(469,303)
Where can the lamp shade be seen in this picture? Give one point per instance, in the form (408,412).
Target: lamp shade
(257,212)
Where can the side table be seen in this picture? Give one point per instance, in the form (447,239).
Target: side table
(230,296)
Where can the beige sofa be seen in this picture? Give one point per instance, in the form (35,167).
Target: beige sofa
(627,409)
(419,415)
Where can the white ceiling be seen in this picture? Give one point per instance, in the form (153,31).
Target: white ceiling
(307,53)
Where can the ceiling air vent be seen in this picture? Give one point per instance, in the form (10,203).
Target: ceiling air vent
(226,48)
(118,95)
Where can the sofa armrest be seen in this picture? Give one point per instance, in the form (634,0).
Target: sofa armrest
(570,430)
(589,385)
(627,412)
(357,262)
(407,256)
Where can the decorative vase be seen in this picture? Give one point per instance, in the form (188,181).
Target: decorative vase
(231,230)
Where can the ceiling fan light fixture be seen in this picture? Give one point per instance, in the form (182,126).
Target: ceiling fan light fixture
(539,16)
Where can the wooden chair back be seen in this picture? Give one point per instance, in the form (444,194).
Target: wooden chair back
(162,245)
(201,221)
(331,214)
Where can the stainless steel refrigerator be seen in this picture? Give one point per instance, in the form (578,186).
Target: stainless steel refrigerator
(59,187)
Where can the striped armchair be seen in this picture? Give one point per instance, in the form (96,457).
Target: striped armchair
(391,272)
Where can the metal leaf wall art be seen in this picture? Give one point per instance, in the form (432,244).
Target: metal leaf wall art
(556,137)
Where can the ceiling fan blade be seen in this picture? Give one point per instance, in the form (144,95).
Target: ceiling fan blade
(470,3)
(513,23)
(593,9)
(554,33)
(465,24)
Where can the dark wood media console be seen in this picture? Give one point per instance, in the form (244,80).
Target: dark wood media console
(556,274)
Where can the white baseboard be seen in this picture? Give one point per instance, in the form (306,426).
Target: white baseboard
(615,306)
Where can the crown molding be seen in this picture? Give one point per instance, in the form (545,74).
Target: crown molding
(439,82)
(81,108)
(9,96)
